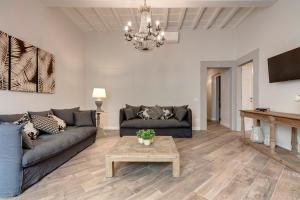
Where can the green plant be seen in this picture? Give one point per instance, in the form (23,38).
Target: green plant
(146,134)
(139,133)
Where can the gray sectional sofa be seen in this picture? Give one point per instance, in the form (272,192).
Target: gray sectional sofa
(20,168)
(171,127)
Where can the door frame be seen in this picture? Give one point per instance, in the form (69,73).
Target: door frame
(204,65)
(253,56)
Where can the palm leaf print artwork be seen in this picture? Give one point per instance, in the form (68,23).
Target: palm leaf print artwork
(4,60)
(46,79)
(24,75)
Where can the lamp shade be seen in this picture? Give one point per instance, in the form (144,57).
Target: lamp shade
(99,93)
(297,98)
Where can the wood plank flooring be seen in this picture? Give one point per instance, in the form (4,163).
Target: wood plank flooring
(215,164)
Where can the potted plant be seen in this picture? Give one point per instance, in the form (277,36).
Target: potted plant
(139,135)
(148,136)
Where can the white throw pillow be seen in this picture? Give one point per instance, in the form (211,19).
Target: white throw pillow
(61,123)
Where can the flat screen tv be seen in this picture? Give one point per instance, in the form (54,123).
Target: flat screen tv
(285,66)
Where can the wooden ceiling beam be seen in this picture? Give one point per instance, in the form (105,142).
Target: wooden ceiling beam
(166,18)
(229,16)
(181,18)
(197,18)
(99,15)
(247,13)
(213,18)
(117,17)
(90,22)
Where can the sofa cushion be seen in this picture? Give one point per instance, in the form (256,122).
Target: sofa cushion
(83,118)
(180,112)
(153,123)
(40,113)
(51,145)
(136,109)
(10,118)
(129,113)
(66,115)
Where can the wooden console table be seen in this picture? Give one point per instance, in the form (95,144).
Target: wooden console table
(290,159)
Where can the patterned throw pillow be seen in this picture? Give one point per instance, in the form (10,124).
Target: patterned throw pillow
(29,133)
(167,114)
(180,112)
(61,123)
(155,112)
(143,114)
(46,124)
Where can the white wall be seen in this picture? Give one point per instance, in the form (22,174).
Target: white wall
(225,98)
(50,30)
(167,76)
(273,30)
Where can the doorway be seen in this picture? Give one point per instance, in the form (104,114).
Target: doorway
(247,91)
(218,96)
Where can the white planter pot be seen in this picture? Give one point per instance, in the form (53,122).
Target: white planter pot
(141,140)
(147,142)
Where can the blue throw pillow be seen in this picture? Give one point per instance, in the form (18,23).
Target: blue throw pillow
(10,159)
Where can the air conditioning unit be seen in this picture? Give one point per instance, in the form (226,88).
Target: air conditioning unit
(172,37)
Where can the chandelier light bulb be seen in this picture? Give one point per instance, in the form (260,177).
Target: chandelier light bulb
(129,24)
(126,28)
(135,38)
(162,33)
(149,20)
(158,37)
(157,23)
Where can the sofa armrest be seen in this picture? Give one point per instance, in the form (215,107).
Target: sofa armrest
(11,152)
(189,117)
(122,116)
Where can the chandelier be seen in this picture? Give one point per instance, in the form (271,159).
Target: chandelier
(148,37)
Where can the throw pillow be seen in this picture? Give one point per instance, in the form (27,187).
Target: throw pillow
(180,112)
(83,118)
(129,113)
(155,112)
(143,114)
(40,113)
(136,109)
(66,115)
(167,114)
(29,133)
(61,123)
(46,124)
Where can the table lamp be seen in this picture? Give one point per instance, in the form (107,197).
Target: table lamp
(297,99)
(99,94)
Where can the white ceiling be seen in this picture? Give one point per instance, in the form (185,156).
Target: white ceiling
(174,15)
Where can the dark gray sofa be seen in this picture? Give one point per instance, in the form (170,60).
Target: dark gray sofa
(171,127)
(21,168)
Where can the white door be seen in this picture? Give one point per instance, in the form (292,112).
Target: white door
(247,92)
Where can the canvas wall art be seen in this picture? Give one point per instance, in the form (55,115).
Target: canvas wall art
(46,78)
(4,60)
(24,67)
(24,74)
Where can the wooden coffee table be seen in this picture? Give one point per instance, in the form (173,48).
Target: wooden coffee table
(129,150)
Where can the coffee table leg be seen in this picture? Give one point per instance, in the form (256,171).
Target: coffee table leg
(176,168)
(109,165)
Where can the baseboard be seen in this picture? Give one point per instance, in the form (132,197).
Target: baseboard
(114,128)
(224,124)
(196,128)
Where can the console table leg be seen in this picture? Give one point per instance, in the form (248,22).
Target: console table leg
(109,167)
(272,136)
(243,128)
(176,168)
(294,140)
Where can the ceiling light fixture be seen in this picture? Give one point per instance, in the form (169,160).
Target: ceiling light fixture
(146,38)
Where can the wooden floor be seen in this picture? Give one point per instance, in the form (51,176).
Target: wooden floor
(214,165)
